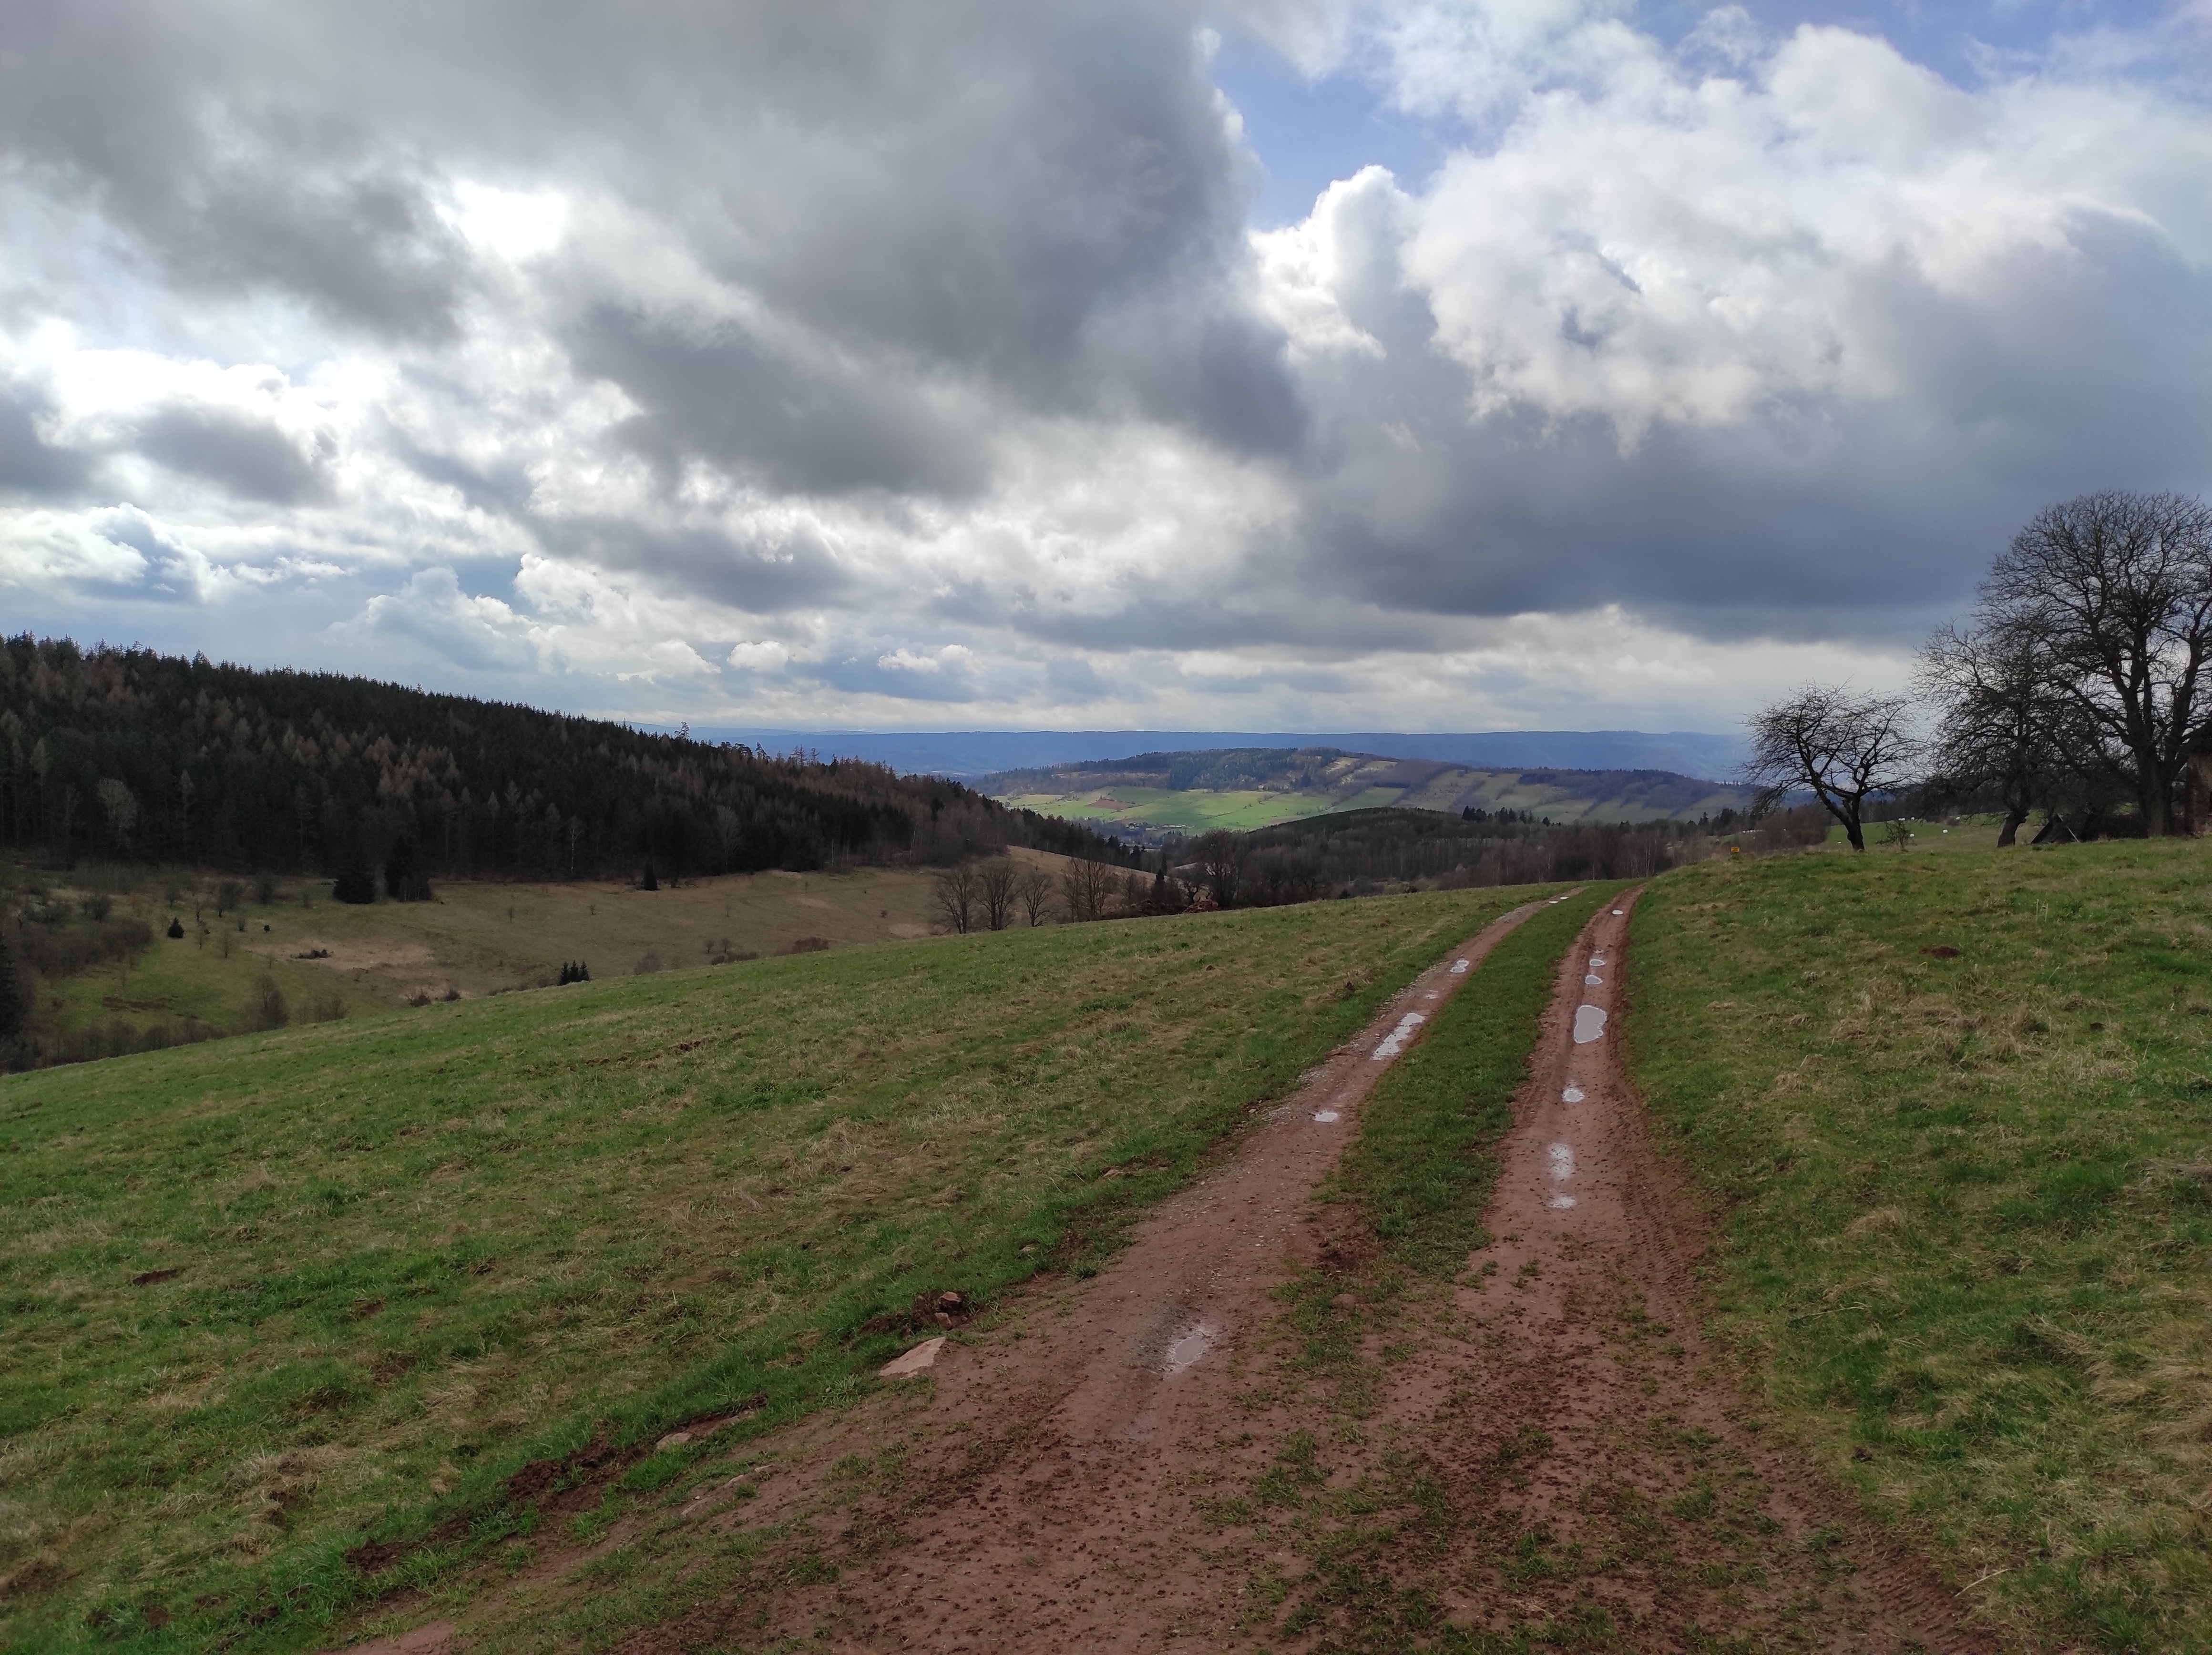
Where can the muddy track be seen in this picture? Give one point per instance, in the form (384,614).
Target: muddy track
(1605,1464)
(1543,1451)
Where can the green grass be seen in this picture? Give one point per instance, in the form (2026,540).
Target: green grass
(383,1267)
(1967,1200)
(1422,1168)
(1193,810)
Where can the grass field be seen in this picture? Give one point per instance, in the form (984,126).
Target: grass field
(274,1297)
(475,939)
(1966,1199)
(1194,810)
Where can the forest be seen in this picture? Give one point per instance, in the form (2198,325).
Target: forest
(130,756)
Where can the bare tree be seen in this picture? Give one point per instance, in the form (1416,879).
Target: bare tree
(2118,588)
(2004,723)
(1033,891)
(1837,745)
(1221,855)
(994,890)
(1087,890)
(954,893)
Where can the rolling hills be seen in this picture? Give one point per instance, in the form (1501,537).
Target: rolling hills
(1158,794)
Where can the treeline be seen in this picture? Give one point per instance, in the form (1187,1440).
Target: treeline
(1365,850)
(1357,853)
(140,757)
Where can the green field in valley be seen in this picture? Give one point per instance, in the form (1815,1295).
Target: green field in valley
(1965,1198)
(272,1298)
(1192,811)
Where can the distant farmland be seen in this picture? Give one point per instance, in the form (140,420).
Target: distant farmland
(1245,788)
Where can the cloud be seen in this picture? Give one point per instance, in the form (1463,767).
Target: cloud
(250,458)
(808,362)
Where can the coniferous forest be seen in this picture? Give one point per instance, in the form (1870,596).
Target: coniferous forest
(129,755)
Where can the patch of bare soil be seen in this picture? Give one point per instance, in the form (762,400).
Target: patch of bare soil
(1252,1430)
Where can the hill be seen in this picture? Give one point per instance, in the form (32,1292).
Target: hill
(1155,794)
(291,1318)
(140,757)
(967,755)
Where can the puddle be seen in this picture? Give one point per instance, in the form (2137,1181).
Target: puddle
(1572,1095)
(1395,1041)
(1589,1024)
(1593,979)
(1562,1157)
(1459,968)
(1189,1346)
(1597,959)
(1617,913)
(1325,1116)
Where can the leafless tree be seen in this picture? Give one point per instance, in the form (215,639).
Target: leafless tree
(1087,890)
(1033,891)
(1838,746)
(994,890)
(955,894)
(2118,589)
(1220,854)
(2003,722)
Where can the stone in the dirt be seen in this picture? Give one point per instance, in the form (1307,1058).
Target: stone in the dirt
(673,1440)
(920,1359)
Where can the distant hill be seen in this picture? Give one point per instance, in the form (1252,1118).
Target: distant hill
(968,754)
(135,756)
(1154,794)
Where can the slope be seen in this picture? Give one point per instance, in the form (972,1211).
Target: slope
(289,1317)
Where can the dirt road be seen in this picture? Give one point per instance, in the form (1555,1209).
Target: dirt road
(1253,1430)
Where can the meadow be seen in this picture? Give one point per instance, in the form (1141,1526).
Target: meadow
(290,1314)
(1194,810)
(246,937)
(1955,1112)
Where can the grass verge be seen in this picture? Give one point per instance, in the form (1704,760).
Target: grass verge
(1958,1110)
(299,1321)
(1421,1170)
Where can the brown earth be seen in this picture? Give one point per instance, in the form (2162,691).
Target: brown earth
(1252,1429)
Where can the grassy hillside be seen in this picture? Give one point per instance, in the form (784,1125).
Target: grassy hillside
(326,958)
(1968,1197)
(271,1299)
(1260,787)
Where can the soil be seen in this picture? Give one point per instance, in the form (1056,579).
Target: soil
(1252,1429)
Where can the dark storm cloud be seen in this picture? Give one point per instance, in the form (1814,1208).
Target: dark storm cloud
(250,458)
(803,428)
(759,576)
(184,127)
(30,467)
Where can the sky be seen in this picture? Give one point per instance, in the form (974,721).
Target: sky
(1243,364)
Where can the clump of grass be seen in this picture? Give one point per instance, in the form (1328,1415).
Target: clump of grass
(289,1317)
(1422,1170)
(1968,1196)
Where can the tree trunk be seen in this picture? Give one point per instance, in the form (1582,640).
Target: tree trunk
(1851,832)
(2007,834)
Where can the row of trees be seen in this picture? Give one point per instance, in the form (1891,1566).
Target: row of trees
(1354,853)
(2076,688)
